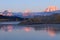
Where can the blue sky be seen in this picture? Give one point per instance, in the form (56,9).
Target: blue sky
(21,5)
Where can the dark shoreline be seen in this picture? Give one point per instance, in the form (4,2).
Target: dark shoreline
(38,23)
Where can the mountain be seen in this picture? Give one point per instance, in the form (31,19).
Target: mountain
(32,14)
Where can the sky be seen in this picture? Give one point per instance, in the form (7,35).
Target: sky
(32,5)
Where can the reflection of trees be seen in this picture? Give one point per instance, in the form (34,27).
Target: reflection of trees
(48,28)
(52,28)
(10,28)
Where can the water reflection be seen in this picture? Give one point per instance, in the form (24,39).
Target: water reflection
(52,30)
(27,29)
(10,28)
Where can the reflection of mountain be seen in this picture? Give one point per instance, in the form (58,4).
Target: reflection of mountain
(49,27)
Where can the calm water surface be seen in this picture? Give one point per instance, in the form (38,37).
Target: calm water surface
(30,32)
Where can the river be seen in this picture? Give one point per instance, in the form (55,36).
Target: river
(30,32)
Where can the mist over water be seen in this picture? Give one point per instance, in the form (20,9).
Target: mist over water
(30,32)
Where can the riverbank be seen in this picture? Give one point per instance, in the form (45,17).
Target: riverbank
(10,22)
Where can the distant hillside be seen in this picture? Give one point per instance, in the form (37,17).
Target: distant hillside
(10,18)
(19,14)
(43,17)
(54,18)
